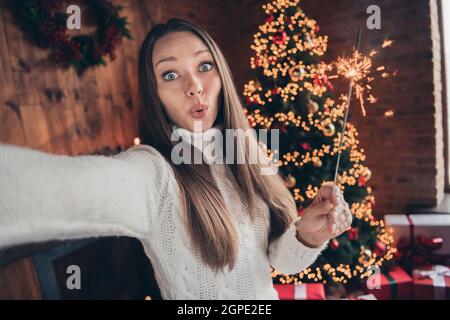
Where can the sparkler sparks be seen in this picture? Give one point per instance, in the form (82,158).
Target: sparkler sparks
(360,70)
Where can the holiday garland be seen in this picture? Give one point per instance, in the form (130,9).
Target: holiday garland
(45,24)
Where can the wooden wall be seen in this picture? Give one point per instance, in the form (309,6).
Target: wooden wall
(47,108)
(55,110)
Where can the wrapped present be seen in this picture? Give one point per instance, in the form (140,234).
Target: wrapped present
(364,297)
(431,226)
(306,291)
(432,283)
(361,297)
(420,239)
(392,284)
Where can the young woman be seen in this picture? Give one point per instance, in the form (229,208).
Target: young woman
(211,230)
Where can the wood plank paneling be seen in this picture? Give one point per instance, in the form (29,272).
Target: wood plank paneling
(45,107)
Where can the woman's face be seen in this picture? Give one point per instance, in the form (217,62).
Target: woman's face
(186,75)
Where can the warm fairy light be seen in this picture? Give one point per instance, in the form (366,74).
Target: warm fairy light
(137,141)
(389,113)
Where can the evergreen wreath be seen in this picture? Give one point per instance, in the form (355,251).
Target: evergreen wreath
(42,21)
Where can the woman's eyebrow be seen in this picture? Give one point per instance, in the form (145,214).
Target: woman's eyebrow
(174,59)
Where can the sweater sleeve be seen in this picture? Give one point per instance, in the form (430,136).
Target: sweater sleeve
(288,255)
(56,197)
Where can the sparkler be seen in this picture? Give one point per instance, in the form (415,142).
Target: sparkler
(353,74)
(357,69)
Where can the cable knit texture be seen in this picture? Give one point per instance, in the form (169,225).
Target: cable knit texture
(134,193)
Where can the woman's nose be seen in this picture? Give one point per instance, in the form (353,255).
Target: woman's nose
(195,87)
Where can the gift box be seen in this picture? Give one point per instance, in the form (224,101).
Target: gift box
(306,291)
(408,227)
(364,297)
(361,297)
(392,284)
(432,283)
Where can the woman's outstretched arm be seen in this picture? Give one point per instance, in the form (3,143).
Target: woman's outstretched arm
(290,256)
(55,197)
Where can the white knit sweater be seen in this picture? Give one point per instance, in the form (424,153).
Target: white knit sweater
(134,193)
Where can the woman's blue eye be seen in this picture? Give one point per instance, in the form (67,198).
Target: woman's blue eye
(167,76)
(210,63)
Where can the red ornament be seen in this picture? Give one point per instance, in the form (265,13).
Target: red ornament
(300,211)
(250,102)
(276,90)
(353,234)
(380,248)
(322,80)
(372,202)
(270,18)
(334,244)
(316,28)
(361,181)
(280,126)
(306,146)
(280,37)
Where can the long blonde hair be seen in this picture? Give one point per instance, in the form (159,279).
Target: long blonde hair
(209,225)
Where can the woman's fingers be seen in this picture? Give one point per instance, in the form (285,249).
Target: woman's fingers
(320,208)
(340,219)
(332,222)
(328,191)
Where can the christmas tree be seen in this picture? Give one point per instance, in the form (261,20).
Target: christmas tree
(291,91)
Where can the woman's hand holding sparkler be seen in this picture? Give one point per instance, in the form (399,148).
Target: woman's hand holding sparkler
(325,218)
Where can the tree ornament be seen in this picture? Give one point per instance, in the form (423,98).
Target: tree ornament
(313,106)
(334,244)
(278,125)
(352,233)
(361,181)
(322,80)
(296,72)
(276,90)
(279,37)
(290,181)
(317,162)
(329,129)
(364,255)
(270,18)
(380,248)
(367,174)
(306,146)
